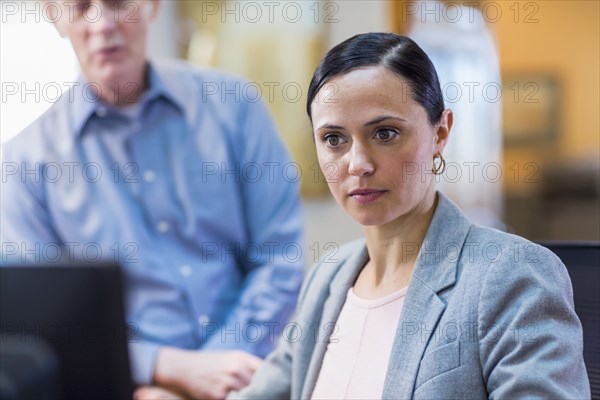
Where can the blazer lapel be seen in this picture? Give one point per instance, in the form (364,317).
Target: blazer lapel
(434,271)
(421,313)
(332,307)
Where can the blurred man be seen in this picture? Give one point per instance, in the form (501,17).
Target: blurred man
(142,163)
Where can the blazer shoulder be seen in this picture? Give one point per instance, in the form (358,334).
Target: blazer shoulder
(321,274)
(496,247)
(507,260)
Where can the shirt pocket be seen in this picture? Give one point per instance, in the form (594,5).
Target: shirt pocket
(438,361)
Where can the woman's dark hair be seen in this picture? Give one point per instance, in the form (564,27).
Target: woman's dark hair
(399,54)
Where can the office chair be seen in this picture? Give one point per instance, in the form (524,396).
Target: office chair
(583,264)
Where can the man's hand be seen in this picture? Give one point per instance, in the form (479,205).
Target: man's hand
(204,374)
(156,393)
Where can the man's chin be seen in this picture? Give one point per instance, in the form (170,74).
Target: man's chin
(114,75)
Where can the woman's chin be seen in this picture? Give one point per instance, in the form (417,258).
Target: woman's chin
(369,218)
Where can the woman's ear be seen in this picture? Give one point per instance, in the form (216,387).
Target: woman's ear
(443,128)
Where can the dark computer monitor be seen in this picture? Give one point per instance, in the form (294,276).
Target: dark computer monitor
(63,333)
(583,264)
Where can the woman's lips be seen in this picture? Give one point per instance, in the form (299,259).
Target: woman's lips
(364,196)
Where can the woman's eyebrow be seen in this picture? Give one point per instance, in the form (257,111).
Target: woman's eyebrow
(383,118)
(330,126)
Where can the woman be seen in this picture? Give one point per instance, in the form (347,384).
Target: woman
(427,305)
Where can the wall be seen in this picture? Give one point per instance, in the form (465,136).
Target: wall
(563,42)
(562,39)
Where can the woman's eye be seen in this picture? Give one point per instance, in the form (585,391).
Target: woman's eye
(385,134)
(332,140)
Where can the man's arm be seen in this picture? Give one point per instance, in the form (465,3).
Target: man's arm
(25,224)
(274,227)
(272,275)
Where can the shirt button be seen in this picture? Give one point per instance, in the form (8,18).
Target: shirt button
(149,176)
(185,270)
(163,226)
(101,112)
(203,319)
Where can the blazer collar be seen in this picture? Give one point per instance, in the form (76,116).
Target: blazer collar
(436,262)
(434,270)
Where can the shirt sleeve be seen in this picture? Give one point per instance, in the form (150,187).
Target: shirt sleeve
(531,340)
(26,232)
(142,359)
(271,205)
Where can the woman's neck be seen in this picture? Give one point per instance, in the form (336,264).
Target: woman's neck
(393,248)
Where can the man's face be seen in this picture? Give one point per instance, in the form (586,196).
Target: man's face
(109,38)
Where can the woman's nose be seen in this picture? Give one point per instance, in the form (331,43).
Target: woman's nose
(360,162)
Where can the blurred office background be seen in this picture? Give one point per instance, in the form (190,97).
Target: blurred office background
(522,78)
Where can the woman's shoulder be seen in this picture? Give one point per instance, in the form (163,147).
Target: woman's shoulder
(336,258)
(506,259)
(489,245)
(483,246)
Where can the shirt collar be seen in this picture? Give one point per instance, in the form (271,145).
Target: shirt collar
(85,103)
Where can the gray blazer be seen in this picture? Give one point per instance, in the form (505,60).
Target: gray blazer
(487,315)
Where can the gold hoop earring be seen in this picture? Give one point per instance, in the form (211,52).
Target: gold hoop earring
(440,167)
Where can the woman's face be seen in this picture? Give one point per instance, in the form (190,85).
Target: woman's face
(375,145)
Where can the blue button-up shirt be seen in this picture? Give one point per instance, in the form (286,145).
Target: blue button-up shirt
(190,189)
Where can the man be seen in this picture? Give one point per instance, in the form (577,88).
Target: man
(137,162)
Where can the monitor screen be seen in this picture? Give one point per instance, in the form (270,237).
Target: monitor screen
(63,332)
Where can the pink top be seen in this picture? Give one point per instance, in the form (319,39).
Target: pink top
(356,360)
